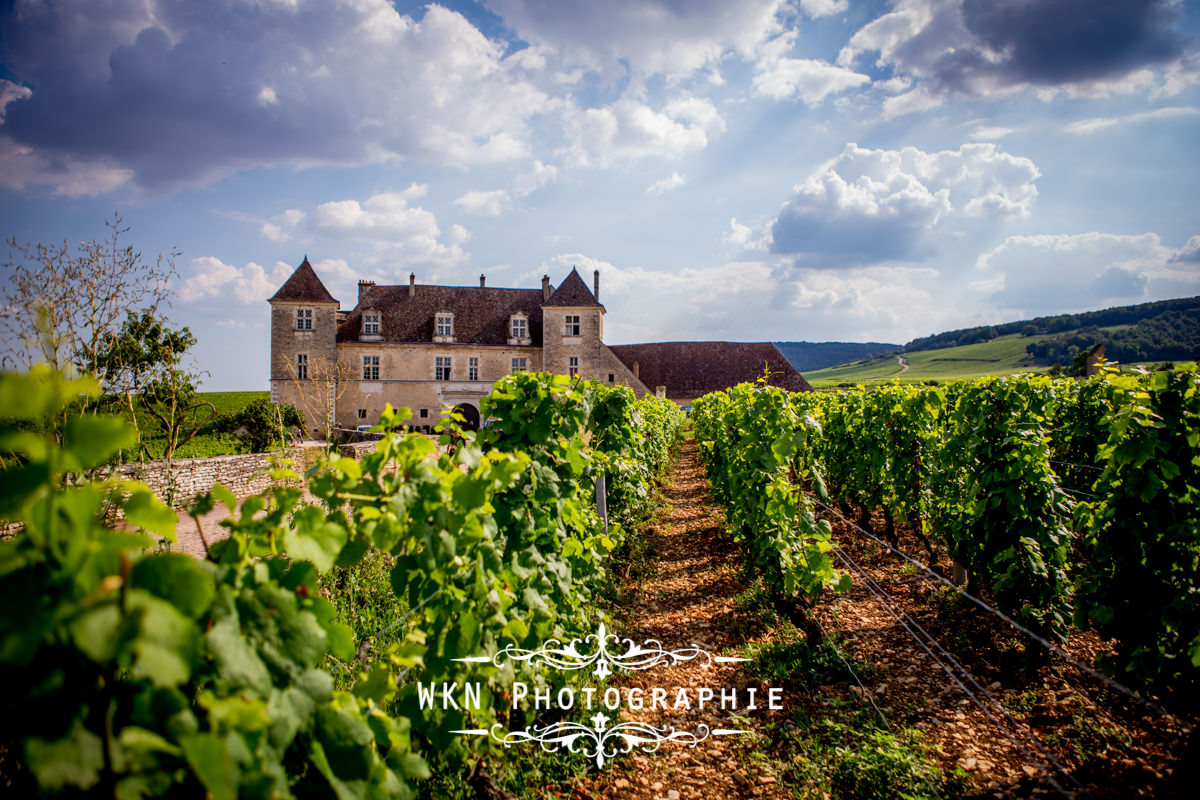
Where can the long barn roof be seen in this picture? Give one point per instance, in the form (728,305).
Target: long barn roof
(691,369)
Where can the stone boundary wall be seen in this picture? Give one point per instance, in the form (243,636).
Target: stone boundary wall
(244,474)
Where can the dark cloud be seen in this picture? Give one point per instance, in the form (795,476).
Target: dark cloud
(846,240)
(979,47)
(181,91)
(1071,41)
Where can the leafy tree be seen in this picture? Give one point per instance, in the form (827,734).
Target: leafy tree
(143,363)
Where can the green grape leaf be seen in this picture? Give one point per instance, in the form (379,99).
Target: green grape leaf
(92,439)
(74,760)
(208,757)
(314,538)
(223,495)
(238,662)
(146,511)
(178,579)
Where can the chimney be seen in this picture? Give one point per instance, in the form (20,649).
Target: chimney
(637,370)
(363,286)
(412,284)
(545,288)
(482,282)
(596,283)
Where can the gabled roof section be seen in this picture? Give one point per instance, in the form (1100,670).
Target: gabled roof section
(304,287)
(480,314)
(692,369)
(572,292)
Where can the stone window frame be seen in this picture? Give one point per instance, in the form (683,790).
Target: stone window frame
(520,364)
(301,366)
(304,319)
(443,368)
(572,325)
(443,323)
(473,368)
(573,366)
(370,368)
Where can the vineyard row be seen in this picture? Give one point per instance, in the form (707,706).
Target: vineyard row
(1071,504)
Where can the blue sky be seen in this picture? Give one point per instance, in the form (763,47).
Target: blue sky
(759,170)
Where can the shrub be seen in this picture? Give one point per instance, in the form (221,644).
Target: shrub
(268,424)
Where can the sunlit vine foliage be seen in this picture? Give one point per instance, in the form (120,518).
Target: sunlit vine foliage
(135,672)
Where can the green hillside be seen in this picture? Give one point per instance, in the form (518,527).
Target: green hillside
(806,356)
(1167,330)
(1000,356)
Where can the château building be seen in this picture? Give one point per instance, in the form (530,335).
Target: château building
(430,348)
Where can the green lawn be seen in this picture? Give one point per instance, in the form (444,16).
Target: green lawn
(1001,356)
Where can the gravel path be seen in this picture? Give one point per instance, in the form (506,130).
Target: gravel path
(690,601)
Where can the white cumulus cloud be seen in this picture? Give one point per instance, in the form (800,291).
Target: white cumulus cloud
(629,130)
(491,203)
(648,36)
(398,232)
(1059,273)
(210,278)
(868,206)
(807,80)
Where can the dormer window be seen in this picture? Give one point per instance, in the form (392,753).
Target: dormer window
(518,329)
(304,318)
(370,323)
(443,327)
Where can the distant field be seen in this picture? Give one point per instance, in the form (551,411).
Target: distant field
(231,401)
(1001,356)
(207,442)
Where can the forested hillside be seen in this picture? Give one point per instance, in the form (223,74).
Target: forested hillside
(818,355)
(1170,336)
(1147,342)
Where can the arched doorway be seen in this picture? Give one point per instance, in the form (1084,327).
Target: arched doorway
(470,414)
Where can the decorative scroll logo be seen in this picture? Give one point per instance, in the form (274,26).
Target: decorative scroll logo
(636,656)
(604,652)
(600,741)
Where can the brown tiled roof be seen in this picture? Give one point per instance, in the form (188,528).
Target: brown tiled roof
(480,314)
(304,287)
(572,292)
(691,369)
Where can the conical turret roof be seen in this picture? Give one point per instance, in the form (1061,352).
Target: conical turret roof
(304,287)
(572,292)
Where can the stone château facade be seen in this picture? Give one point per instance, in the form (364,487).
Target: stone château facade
(430,348)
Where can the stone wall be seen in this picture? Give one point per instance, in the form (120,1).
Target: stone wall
(243,475)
